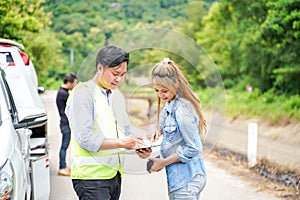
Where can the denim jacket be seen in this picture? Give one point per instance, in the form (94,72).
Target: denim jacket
(179,123)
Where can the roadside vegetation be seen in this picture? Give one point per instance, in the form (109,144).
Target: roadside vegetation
(276,110)
(252,42)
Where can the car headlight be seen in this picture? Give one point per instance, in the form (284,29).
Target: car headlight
(6,181)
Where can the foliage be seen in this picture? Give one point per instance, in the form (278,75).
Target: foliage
(25,21)
(45,55)
(281,32)
(254,40)
(273,108)
(21,16)
(86,25)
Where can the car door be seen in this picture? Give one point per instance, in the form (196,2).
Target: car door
(13,172)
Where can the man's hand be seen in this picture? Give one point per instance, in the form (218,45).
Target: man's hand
(130,142)
(144,152)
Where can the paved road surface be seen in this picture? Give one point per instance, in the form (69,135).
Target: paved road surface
(234,136)
(137,183)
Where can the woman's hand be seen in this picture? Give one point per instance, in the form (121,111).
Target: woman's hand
(158,164)
(153,137)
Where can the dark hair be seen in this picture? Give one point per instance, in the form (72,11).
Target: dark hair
(70,77)
(111,56)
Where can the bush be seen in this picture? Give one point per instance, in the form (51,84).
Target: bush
(269,106)
(229,83)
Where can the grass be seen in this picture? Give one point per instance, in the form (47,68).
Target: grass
(275,109)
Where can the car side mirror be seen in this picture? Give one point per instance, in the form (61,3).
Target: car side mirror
(41,90)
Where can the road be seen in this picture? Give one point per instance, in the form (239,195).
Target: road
(137,183)
(234,136)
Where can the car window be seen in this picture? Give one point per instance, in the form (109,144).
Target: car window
(9,58)
(6,101)
(3,103)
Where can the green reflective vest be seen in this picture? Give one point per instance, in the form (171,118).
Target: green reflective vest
(105,163)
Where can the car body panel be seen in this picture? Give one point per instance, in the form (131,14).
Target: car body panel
(10,145)
(32,73)
(10,42)
(23,118)
(10,150)
(23,88)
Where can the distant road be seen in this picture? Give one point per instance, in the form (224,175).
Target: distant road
(138,184)
(234,137)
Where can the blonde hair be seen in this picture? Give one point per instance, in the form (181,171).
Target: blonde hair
(167,74)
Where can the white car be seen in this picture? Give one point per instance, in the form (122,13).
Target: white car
(22,80)
(23,175)
(13,175)
(29,67)
(24,162)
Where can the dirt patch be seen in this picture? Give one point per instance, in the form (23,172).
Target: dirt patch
(236,164)
(287,133)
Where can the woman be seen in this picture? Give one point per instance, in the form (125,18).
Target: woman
(181,122)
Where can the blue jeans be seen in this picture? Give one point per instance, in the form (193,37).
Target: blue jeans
(103,189)
(191,191)
(66,135)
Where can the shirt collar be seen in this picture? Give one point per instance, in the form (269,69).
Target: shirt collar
(104,91)
(170,104)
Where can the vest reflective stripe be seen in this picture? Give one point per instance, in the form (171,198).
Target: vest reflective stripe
(80,172)
(102,157)
(105,163)
(85,153)
(96,160)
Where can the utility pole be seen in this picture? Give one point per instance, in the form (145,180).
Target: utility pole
(252,144)
(71,56)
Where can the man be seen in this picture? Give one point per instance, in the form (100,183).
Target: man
(69,82)
(99,123)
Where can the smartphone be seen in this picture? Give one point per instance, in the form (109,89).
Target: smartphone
(144,148)
(150,163)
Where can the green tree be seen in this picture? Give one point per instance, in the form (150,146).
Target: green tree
(45,54)
(26,21)
(85,25)
(281,33)
(195,11)
(253,41)
(21,16)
